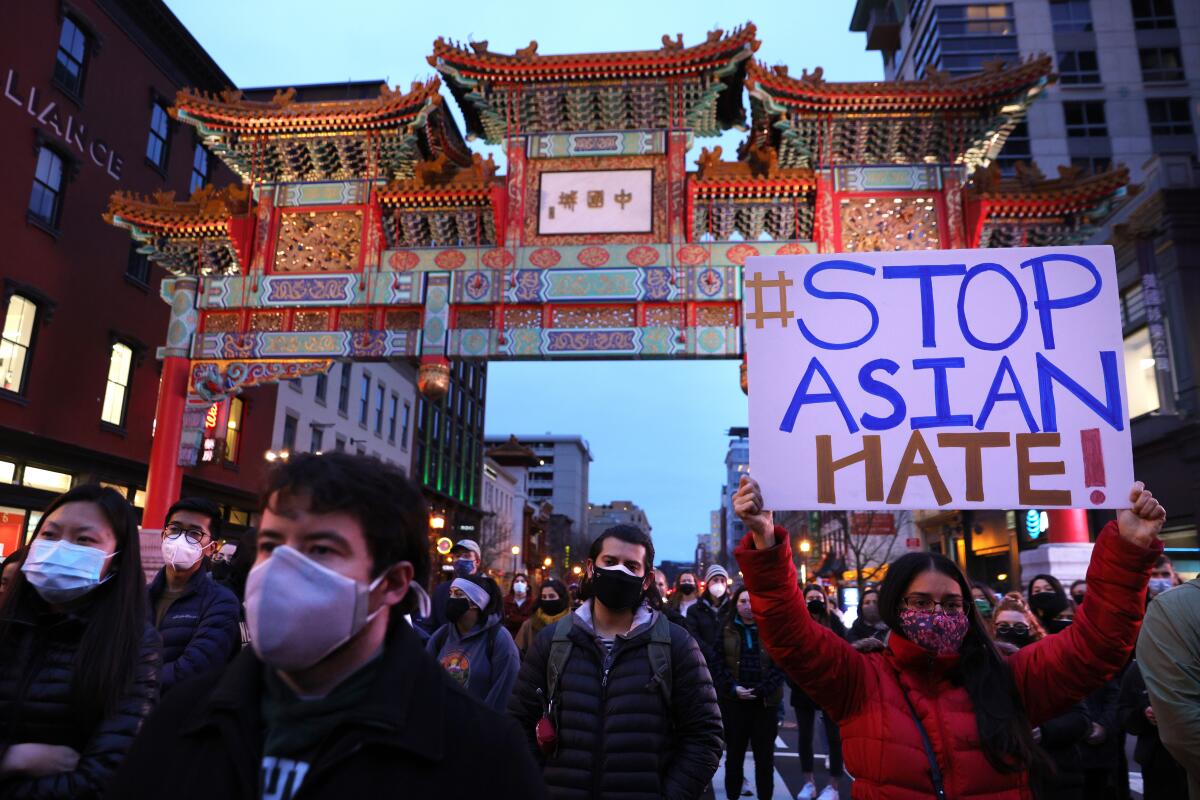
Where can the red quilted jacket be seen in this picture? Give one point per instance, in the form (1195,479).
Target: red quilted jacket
(862,692)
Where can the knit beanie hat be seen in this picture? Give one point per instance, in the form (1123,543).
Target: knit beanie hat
(714,571)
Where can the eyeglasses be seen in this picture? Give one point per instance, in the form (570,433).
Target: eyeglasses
(925,603)
(1019,628)
(193,535)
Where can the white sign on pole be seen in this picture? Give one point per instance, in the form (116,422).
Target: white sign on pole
(938,379)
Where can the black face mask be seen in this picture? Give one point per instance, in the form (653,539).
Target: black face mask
(1020,639)
(1048,604)
(554,607)
(816,607)
(687,589)
(1057,625)
(616,589)
(456,608)
(1078,598)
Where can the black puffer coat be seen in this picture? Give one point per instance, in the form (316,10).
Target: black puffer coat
(705,619)
(36,705)
(200,630)
(616,737)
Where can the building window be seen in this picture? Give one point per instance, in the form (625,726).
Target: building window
(116,390)
(297,385)
(199,168)
(72,57)
(46,198)
(16,342)
(138,265)
(322,387)
(233,429)
(1161,64)
(318,438)
(1071,15)
(156,144)
(404,424)
(1169,117)
(339,443)
(290,423)
(1078,66)
(344,390)
(379,393)
(364,399)
(1151,14)
(1085,119)
(393,411)
(1092,165)
(960,39)
(1140,375)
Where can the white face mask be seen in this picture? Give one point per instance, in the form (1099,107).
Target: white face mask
(61,571)
(717,590)
(299,611)
(180,553)
(520,588)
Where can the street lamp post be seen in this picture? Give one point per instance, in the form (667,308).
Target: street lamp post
(516,554)
(805,547)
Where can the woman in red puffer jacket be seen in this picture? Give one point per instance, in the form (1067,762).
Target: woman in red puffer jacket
(941,705)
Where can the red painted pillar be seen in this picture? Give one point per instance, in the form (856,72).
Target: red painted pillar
(166,476)
(1068,526)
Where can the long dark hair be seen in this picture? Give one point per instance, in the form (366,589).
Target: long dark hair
(631,535)
(1004,729)
(495,606)
(111,644)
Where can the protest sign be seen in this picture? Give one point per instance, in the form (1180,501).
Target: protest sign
(943,378)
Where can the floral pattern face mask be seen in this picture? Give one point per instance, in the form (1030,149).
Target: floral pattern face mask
(938,632)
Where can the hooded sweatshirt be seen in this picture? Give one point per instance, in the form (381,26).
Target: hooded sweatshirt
(487,671)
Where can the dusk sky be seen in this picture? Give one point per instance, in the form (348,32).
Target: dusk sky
(656,428)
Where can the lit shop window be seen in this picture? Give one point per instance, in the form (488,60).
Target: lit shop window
(1140,374)
(116,390)
(139,498)
(15,341)
(48,479)
(233,429)
(8,471)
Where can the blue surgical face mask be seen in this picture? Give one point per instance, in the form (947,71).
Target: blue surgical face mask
(1160,585)
(464,567)
(61,571)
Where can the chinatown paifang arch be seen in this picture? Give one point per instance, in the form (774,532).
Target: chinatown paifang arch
(367,230)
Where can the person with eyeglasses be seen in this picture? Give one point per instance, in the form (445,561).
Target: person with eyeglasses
(941,710)
(196,616)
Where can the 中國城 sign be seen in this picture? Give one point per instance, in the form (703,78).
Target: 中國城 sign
(596,201)
(946,378)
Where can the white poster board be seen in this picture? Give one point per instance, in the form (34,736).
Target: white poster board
(596,201)
(938,379)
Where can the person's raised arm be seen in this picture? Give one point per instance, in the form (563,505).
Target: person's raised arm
(819,661)
(1064,668)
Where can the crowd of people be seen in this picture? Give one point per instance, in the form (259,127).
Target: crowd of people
(314,664)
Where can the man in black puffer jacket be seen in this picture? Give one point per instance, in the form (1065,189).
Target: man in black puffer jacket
(196,616)
(634,710)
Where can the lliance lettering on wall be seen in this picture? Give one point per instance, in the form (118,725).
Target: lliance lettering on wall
(73,131)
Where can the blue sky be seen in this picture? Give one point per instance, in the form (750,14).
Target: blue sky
(656,429)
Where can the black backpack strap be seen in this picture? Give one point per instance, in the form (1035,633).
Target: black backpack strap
(935,772)
(560,651)
(660,656)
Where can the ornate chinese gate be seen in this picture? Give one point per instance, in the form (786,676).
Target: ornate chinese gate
(366,229)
